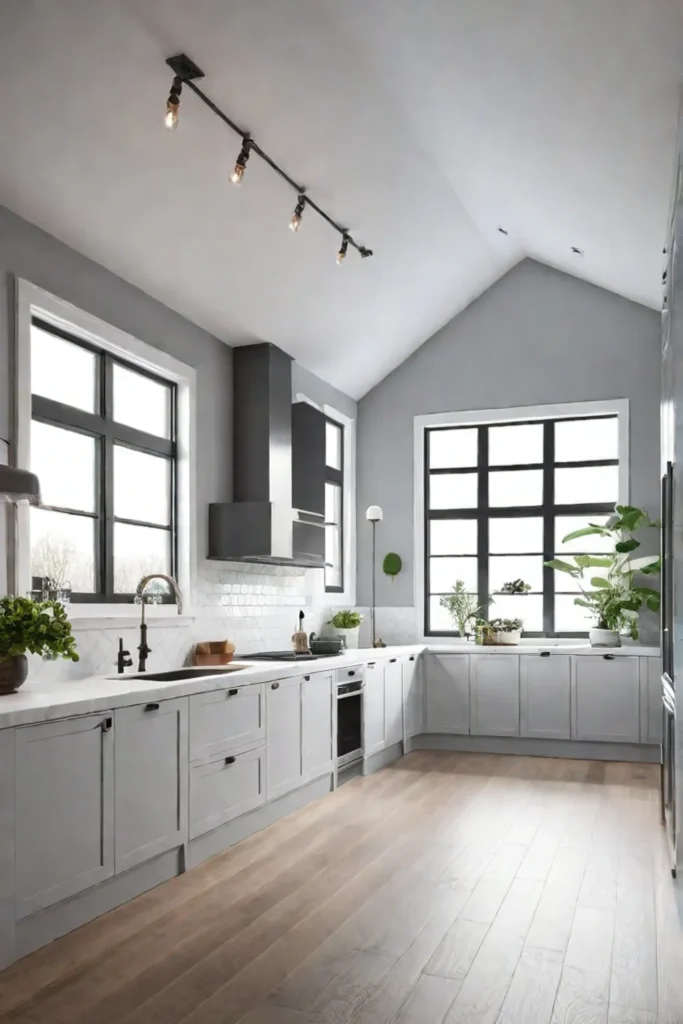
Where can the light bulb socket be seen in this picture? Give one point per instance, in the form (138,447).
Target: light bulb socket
(295,222)
(241,162)
(341,255)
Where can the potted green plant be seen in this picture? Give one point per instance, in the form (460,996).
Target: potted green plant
(515,587)
(614,598)
(33,627)
(347,625)
(463,608)
(506,632)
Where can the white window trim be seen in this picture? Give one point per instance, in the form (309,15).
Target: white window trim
(471,417)
(30,301)
(348,596)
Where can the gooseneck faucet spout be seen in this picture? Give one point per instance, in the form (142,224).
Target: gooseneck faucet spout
(143,647)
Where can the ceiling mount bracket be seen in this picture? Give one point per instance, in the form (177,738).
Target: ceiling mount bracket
(184,68)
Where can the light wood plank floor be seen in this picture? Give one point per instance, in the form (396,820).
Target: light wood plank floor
(466,889)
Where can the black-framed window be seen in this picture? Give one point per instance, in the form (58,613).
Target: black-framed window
(499,499)
(334,507)
(103,443)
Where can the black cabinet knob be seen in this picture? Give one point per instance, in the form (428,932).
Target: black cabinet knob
(151,707)
(608,657)
(351,672)
(545,654)
(107,724)
(411,658)
(274,686)
(392,660)
(230,760)
(306,678)
(233,692)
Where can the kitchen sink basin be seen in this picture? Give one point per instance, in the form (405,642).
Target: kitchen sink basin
(175,674)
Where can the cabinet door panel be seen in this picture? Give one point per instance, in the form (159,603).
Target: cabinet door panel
(373,709)
(606,698)
(224,788)
(64,809)
(545,696)
(319,705)
(413,695)
(494,694)
(225,719)
(393,703)
(651,708)
(283,729)
(447,693)
(150,775)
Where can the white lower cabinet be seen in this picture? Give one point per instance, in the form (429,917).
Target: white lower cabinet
(393,703)
(447,693)
(234,717)
(413,695)
(494,695)
(606,698)
(63,809)
(150,780)
(284,769)
(651,707)
(319,699)
(374,718)
(545,698)
(224,787)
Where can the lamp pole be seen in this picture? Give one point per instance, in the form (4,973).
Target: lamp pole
(374,516)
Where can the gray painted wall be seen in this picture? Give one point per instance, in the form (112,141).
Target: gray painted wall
(537,336)
(30,253)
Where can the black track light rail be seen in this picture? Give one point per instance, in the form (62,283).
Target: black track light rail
(187,71)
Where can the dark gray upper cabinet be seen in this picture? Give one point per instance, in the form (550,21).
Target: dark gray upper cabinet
(308,458)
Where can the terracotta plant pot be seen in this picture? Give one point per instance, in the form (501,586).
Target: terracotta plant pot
(13,672)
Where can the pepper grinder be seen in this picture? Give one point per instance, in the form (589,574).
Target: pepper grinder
(300,637)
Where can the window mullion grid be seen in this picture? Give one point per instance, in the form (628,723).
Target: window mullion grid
(483,517)
(107,533)
(548,526)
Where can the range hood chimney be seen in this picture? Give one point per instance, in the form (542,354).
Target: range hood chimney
(260,524)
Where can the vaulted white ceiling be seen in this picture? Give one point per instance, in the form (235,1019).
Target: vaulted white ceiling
(423,126)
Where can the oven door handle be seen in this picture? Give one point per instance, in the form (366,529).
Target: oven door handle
(352,693)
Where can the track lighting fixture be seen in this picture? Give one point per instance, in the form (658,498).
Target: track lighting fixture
(173,104)
(187,73)
(295,222)
(341,255)
(241,162)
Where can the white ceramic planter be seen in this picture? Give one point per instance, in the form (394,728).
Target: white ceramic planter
(604,638)
(510,637)
(349,636)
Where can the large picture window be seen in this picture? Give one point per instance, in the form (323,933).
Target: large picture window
(103,443)
(498,500)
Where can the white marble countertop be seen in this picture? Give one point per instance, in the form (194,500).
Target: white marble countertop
(43,702)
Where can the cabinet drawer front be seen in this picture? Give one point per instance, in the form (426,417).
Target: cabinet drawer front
(226,718)
(150,774)
(64,809)
(224,788)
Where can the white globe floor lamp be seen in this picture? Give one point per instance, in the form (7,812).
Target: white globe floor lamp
(374,516)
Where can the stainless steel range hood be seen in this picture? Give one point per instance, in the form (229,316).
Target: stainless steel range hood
(261,524)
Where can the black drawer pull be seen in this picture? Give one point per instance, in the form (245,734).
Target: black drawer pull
(545,654)
(608,657)
(230,760)
(274,686)
(411,658)
(371,664)
(233,692)
(107,724)
(392,660)
(350,672)
(151,707)
(306,678)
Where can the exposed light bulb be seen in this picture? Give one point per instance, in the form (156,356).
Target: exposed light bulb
(171,118)
(295,222)
(341,255)
(241,163)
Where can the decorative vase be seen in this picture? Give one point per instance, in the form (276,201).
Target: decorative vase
(604,638)
(13,672)
(350,637)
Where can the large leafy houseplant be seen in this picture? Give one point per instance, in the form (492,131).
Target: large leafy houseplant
(31,627)
(615,596)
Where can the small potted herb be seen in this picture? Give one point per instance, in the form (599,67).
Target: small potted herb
(515,587)
(506,632)
(347,625)
(33,627)
(463,608)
